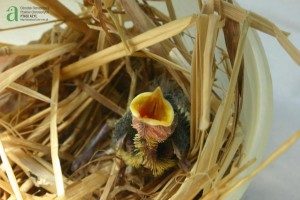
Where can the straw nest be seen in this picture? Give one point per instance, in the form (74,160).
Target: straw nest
(57,93)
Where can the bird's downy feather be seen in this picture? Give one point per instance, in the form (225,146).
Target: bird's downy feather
(158,156)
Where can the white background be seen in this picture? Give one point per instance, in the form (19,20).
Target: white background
(281,180)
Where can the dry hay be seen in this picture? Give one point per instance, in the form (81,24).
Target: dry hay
(57,93)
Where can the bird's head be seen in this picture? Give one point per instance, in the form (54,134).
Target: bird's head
(153,115)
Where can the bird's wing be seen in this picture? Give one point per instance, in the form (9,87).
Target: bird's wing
(180,137)
(123,128)
(180,140)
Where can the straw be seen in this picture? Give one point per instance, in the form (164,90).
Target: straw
(118,51)
(10,173)
(8,76)
(53,134)
(56,93)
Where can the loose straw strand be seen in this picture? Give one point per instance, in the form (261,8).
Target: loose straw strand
(276,154)
(53,134)
(10,173)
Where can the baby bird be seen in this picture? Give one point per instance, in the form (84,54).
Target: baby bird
(154,133)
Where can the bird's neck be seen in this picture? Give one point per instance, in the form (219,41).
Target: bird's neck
(152,134)
(146,147)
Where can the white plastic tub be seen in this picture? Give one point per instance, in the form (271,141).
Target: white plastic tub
(257,109)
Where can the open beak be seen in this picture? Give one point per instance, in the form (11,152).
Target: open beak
(152,108)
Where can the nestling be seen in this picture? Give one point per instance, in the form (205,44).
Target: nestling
(154,133)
